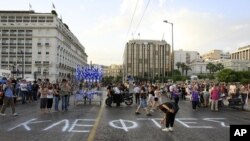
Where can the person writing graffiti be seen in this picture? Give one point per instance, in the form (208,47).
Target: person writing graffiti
(170,109)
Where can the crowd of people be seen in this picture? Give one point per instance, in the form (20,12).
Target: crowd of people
(148,96)
(28,92)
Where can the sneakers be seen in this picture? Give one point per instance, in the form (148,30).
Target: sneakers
(149,114)
(152,110)
(166,129)
(15,114)
(171,129)
(137,113)
(2,114)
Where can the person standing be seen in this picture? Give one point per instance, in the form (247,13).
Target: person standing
(57,96)
(23,90)
(64,92)
(195,98)
(206,96)
(137,94)
(50,97)
(215,95)
(35,88)
(8,98)
(43,97)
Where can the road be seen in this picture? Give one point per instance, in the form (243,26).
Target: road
(101,123)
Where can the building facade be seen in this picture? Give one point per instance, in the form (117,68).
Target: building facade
(242,53)
(38,44)
(147,58)
(198,66)
(215,55)
(185,57)
(113,70)
(234,64)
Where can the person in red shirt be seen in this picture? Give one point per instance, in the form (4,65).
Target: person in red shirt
(215,95)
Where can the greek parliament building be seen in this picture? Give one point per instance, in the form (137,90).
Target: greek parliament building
(146,58)
(40,43)
(243,53)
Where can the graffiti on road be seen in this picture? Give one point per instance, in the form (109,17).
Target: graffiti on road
(67,126)
(123,124)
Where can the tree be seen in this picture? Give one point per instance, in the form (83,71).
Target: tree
(187,68)
(183,66)
(178,65)
(211,67)
(219,67)
(227,75)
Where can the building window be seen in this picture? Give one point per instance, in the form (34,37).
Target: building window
(47,52)
(26,19)
(39,52)
(33,19)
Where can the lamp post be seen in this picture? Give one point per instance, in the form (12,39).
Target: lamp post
(22,64)
(13,70)
(172,58)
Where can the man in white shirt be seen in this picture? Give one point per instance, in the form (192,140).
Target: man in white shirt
(24,90)
(137,94)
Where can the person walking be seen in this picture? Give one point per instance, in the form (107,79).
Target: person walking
(35,88)
(143,102)
(8,99)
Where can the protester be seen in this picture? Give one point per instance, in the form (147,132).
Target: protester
(23,91)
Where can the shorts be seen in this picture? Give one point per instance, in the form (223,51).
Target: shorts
(43,103)
(156,99)
(143,103)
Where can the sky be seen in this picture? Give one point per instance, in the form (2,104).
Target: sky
(104,26)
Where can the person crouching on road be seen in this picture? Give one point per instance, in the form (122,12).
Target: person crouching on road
(143,102)
(8,99)
(170,109)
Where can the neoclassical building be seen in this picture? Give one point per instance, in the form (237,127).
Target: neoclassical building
(38,45)
(242,53)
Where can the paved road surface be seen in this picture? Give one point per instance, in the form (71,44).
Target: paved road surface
(117,124)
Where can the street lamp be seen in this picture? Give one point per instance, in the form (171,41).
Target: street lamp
(172,60)
(22,64)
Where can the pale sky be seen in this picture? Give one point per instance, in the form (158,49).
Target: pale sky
(102,26)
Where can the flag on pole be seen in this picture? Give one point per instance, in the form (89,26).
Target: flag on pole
(53,6)
(30,6)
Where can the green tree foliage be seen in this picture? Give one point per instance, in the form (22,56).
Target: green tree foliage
(211,67)
(228,75)
(178,64)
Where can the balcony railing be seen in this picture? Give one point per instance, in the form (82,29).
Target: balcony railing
(46,62)
(38,62)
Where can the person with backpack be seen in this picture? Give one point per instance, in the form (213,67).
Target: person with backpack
(8,98)
(170,109)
